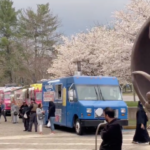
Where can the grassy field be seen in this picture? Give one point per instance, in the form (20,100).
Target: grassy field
(131,104)
(133,122)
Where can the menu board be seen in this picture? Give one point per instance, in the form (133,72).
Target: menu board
(48,92)
(48,96)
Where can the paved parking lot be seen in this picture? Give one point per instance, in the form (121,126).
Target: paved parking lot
(12,137)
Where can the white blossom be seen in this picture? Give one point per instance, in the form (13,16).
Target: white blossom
(103,51)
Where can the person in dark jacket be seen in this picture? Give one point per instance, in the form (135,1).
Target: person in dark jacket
(51,115)
(24,109)
(3,111)
(112,132)
(141,134)
(0,111)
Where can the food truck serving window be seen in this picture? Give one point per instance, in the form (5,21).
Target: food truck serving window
(7,96)
(58,92)
(39,96)
(1,96)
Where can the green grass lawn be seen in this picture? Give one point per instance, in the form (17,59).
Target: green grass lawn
(133,122)
(131,104)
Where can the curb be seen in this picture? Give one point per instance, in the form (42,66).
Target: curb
(129,127)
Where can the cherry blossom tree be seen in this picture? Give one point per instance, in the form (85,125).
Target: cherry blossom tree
(127,25)
(96,50)
(128,22)
(103,51)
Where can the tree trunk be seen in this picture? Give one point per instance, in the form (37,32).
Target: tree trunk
(134,95)
(9,69)
(35,62)
(10,77)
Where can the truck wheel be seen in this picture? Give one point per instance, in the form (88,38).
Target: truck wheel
(78,127)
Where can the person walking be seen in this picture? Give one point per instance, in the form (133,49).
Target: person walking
(33,117)
(14,112)
(0,112)
(3,111)
(24,110)
(51,115)
(40,117)
(112,132)
(141,134)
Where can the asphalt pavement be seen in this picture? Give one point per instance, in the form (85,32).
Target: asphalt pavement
(12,137)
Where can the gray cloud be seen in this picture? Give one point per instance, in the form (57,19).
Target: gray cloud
(77,15)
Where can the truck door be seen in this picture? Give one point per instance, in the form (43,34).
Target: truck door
(71,105)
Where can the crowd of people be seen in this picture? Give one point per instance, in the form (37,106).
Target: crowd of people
(33,114)
(111,133)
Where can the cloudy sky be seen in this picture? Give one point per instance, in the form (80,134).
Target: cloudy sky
(78,15)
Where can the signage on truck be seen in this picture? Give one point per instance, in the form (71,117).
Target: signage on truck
(48,94)
(58,114)
(37,86)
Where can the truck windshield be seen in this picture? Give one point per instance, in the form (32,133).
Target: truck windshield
(87,92)
(39,96)
(98,92)
(6,96)
(110,92)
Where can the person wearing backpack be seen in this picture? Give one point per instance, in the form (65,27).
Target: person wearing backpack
(33,117)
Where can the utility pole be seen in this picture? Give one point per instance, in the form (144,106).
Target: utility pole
(79,66)
(134,95)
(78,72)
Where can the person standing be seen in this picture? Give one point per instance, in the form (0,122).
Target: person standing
(51,115)
(24,109)
(3,111)
(0,112)
(33,117)
(14,112)
(141,134)
(40,117)
(112,132)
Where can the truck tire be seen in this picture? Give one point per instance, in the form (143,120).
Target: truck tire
(78,127)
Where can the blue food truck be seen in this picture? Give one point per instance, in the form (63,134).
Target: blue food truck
(80,100)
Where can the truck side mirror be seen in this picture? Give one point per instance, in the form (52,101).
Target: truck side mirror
(71,93)
(120,89)
(71,98)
